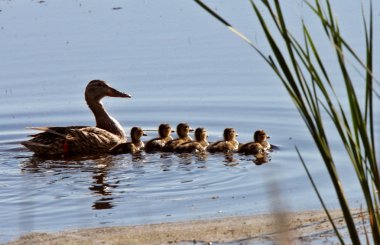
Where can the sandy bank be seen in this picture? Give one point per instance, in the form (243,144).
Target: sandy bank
(302,226)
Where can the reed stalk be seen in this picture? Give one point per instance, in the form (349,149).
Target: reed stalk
(306,78)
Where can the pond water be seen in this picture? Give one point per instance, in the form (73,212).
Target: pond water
(180,65)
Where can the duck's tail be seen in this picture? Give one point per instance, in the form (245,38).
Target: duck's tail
(47,142)
(35,147)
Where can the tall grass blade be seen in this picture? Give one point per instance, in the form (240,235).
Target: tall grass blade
(314,95)
(320,197)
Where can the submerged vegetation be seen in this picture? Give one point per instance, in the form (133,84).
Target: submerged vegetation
(306,77)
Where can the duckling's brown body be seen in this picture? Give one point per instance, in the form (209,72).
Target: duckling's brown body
(183,130)
(198,145)
(82,139)
(229,144)
(259,144)
(130,147)
(156,144)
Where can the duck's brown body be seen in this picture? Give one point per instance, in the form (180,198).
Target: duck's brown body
(82,139)
(132,147)
(156,144)
(72,140)
(259,144)
(198,145)
(229,144)
(183,130)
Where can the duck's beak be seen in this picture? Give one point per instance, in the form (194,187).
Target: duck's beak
(268,137)
(144,134)
(115,93)
(191,130)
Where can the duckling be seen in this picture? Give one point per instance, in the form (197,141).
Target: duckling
(198,145)
(130,147)
(229,144)
(183,130)
(156,144)
(259,144)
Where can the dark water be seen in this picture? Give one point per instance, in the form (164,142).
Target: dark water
(179,65)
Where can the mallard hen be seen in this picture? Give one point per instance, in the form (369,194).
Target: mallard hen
(82,139)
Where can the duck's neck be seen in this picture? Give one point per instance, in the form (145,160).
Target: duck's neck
(138,143)
(104,120)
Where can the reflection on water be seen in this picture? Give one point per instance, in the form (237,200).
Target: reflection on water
(100,186)
(99,168)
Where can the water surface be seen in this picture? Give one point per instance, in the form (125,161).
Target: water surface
(179,65)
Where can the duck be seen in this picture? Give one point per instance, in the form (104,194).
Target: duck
(228,144)
(198,145)
(182,130)
(260,144)
(82,140)
(156,144)
(134,146)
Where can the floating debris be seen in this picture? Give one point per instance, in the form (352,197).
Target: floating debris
(117,8)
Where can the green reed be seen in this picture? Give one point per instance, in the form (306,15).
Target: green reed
(305,76)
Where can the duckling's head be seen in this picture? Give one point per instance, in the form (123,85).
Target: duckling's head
(229,134)
(183,130)
(260,136)
(97,89)
(200,134)
(164,130)
(136,133)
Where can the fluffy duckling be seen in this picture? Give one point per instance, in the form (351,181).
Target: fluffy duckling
(259,144)
(198,145)
(130,147)
(156,144)
(183,130)
(229,143)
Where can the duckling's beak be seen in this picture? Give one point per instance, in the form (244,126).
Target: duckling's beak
(115,93)
(144,134)
(268,137)
(173,131)
(191,130)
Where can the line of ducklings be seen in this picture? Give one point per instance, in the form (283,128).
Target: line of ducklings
(185,144)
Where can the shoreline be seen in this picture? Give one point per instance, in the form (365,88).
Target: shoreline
(299,226)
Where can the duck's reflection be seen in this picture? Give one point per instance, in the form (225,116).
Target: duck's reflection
(101,187)
(261,159)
